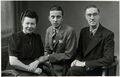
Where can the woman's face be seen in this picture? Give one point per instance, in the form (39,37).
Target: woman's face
(29,24)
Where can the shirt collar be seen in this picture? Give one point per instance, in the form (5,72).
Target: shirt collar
(57,29)
(94,30)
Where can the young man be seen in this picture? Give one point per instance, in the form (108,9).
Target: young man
(60,41)
(95,48)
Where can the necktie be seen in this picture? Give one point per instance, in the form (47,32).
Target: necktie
(53,36)
(54,33)
(91,34)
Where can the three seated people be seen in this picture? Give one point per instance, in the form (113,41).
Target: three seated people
(95,47)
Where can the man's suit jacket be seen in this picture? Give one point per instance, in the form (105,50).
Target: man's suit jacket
(97,50)
(65,47)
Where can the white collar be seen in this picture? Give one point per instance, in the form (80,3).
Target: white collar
(94,30)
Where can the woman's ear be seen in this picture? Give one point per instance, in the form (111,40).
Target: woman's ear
(22,20)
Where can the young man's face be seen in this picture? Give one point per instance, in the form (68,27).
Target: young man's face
(92,16)
(29,24)
(55,18)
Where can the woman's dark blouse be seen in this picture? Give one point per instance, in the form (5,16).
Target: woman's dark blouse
(26,47)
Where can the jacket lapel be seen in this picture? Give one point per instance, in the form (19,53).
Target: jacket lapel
(50,38)
(94,41)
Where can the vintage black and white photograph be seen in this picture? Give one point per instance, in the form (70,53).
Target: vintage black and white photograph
(59,38)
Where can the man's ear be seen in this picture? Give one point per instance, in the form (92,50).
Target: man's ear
(62,19)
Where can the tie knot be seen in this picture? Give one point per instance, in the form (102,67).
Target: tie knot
(91,33)
(54,30)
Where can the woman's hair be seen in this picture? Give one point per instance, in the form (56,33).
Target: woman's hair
(29,13)
(57,8)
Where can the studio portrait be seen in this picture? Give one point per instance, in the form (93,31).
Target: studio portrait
(59,38)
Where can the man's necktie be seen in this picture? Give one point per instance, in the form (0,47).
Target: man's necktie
(54,33)
(53,36)
(91,34)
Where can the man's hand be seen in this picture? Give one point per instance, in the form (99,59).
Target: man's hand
(43,59)
(46,57)
(77,63)
(33,65)
(73,63)
(45,53)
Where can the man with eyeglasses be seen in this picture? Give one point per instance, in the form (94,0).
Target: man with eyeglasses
(95,48)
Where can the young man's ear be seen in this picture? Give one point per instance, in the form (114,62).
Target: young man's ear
(62,19)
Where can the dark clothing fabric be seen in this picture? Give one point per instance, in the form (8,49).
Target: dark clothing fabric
(96,51)
(26,47)
(81,71)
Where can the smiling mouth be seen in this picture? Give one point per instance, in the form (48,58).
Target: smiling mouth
(30,29)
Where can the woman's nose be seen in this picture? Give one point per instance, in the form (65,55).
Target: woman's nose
(29,25)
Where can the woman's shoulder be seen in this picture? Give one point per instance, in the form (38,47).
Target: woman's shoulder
(15,37)
(17,34)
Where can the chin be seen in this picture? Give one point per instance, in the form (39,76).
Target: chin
(56,25)
(93,24)
(30,32)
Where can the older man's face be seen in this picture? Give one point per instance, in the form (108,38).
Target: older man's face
(92,16)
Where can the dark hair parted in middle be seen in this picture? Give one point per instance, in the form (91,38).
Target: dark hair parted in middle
(29,13)
(57,8)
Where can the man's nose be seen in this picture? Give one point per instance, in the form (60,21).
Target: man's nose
(92,17)
(55,19)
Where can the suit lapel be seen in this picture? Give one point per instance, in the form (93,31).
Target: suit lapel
(50,38)
(94,41)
